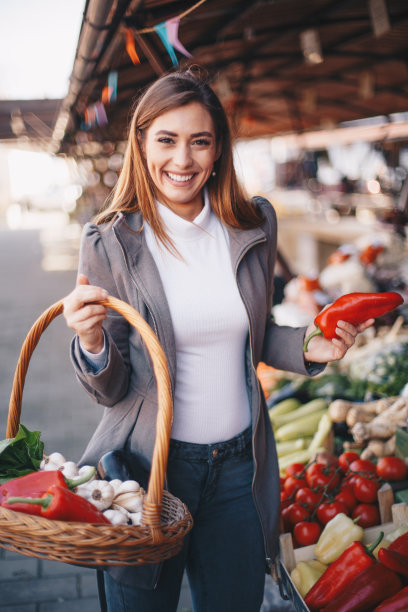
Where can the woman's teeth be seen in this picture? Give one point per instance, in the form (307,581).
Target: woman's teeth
(179,178)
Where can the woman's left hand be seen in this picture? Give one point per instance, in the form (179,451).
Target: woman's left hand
(321,350)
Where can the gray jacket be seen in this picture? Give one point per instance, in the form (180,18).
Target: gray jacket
(116,257)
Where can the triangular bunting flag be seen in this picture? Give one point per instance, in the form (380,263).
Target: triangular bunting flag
(130,46)
(161,30)
(172,26)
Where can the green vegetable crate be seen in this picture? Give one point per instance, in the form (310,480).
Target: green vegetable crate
(392,516)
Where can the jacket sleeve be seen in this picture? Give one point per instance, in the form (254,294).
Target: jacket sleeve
(283,345)
(110,384)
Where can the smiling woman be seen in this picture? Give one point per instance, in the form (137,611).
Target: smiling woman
(179,240)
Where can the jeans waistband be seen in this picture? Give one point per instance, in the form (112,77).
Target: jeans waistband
(237,445)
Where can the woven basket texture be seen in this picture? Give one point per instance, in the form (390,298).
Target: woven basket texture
(165,520)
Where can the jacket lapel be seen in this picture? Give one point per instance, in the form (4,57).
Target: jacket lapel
(144,272)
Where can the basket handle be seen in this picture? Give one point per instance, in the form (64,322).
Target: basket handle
(153,498)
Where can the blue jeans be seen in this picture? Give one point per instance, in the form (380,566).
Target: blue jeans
(224,553)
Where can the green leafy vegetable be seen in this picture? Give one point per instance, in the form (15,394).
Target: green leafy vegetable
(20,455)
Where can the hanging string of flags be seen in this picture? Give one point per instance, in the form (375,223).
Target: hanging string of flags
(167,31)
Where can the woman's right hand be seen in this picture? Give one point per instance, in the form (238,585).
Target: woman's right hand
(84,316)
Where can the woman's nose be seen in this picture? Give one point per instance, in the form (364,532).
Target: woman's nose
(182,155)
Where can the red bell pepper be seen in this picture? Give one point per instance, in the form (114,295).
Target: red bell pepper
(355,308)
(61,504)
(338,575)
(396,603)
(394,561)
(366,590)
(400,544)
(36,484)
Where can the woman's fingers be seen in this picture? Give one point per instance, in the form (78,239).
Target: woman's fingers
(348,332)
(82,280)
(84,315)
(322,350)
(82,295)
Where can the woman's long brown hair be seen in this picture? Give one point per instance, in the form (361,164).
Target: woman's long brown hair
(134,190)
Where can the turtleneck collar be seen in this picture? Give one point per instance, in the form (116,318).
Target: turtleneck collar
(179,228)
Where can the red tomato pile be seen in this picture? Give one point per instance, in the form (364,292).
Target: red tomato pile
(312,495)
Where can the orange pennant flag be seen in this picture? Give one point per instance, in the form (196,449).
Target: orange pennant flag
(106,94)
(130,46)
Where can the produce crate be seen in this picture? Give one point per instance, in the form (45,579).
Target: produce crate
(290,556)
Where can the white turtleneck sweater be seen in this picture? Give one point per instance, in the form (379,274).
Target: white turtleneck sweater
(210,327)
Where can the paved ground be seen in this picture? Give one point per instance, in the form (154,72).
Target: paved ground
(54,404)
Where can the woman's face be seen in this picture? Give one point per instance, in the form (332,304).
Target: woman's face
(180,151)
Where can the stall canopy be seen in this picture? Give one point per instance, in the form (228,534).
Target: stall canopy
(279,66)
(31,122)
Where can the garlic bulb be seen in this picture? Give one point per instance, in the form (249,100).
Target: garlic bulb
(99,492)
(52,462)
(69,469)
(116,517)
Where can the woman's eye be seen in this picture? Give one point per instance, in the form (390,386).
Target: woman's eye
(202,142)
(166,140)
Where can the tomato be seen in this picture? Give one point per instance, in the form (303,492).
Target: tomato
(365,489)
(346,458)
(363,466)
(392,468)
(293,484)
(306,532)
(308,498)
(327,511)
(368,515)
(319,476)
(298,513)
(282,481)
(294,468)
(287,525)
(285,500)
(346,497)
(348,481)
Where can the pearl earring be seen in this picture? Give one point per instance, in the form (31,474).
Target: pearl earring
(213,173)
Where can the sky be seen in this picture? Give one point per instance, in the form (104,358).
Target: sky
(38,41)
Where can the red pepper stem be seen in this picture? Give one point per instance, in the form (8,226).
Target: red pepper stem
(75,482)
(370,549)
(316,332)
(38,501)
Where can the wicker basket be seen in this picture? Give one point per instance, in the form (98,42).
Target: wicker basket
(166,520)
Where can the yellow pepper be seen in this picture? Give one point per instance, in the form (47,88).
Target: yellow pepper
(305,574)
(336,536)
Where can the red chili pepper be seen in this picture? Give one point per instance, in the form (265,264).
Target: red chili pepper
(394,561)
(374,584)
(355,308)
(335,579)
(396,603)
(61,504)
(400,544)
(36,484)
